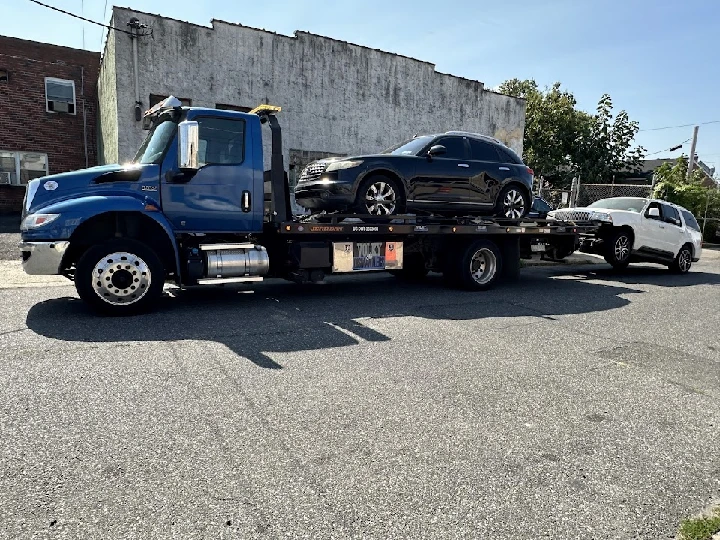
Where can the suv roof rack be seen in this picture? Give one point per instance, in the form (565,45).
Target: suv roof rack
(476,135)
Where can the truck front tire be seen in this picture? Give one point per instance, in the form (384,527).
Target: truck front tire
(119,277)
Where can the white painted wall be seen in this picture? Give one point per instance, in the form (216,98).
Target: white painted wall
(336,97)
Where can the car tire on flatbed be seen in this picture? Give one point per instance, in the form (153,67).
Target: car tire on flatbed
(390,196)
(513,199)
(120,277)
(476,266)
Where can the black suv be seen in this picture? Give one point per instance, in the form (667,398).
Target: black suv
(454,173)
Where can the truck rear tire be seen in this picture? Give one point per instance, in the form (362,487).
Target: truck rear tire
(119,277)
(476,267)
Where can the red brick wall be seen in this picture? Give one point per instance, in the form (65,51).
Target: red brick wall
(24,123)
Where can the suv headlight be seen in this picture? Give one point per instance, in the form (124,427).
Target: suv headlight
(600,216)
(33,221)
(338,165)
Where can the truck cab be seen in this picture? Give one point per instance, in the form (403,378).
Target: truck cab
(194,192)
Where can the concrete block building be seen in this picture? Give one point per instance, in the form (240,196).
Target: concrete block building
(337,98)
(48,106)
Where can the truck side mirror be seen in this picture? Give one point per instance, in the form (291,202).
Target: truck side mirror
(188,143)
(653,213)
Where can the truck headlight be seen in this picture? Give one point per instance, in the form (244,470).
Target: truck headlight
(33,221)
(338,165)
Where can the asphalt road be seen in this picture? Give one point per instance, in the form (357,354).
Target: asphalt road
(9,236)
(574,404)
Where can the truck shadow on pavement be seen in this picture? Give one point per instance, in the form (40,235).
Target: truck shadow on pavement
(281,317)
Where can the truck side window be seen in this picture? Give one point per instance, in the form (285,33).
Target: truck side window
(222,141)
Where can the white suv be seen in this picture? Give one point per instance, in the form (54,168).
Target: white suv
(634,229)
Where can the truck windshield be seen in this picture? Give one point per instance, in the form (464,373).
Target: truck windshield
(409,148)
(153,147)
(620,203)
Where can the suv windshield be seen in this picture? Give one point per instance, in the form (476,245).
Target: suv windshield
(409,148)
(620,203)
(153,147)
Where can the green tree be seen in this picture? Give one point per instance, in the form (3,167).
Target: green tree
(552,126)
(672,184)
(561,141)
(605,145)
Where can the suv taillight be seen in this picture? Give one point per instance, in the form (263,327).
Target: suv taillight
(530,171)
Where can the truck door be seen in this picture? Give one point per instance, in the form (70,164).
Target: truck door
(220,196)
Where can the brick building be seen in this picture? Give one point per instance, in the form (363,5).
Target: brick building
(48,113)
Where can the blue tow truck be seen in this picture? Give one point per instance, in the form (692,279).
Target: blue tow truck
(196,207)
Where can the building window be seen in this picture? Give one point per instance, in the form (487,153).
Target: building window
(59,95)
(238,108)
(157,98)
(4,76)
(19,168)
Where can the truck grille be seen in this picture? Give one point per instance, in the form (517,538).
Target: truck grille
(313,171)
(572,215)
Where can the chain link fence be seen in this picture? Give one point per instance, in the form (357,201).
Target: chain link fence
(710,228)
(589,193)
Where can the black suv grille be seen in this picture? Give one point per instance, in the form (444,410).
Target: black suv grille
(312,171)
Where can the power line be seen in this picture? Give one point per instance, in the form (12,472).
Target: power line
(104,15)
(83,18)
(671,149)
(673,127)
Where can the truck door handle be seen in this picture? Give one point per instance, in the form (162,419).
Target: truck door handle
(504,168)
(662,226)
(245,201)
(463,165)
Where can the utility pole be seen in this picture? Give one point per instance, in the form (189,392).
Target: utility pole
(691,162)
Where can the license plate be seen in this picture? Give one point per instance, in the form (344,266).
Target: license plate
(367,256)
(537,247)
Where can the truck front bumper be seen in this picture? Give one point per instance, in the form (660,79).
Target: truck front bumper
(43,258)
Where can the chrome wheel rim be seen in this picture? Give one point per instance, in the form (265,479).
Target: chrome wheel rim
(483,266)
(684,261)
(514,204)
(121,278)
(622,248)
(380,199)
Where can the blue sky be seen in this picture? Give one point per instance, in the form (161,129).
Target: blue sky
(658,59)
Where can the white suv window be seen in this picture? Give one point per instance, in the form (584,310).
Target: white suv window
(670,215)
(690,220)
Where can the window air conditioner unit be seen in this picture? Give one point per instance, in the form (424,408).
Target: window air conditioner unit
(4,177)
(61,106)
